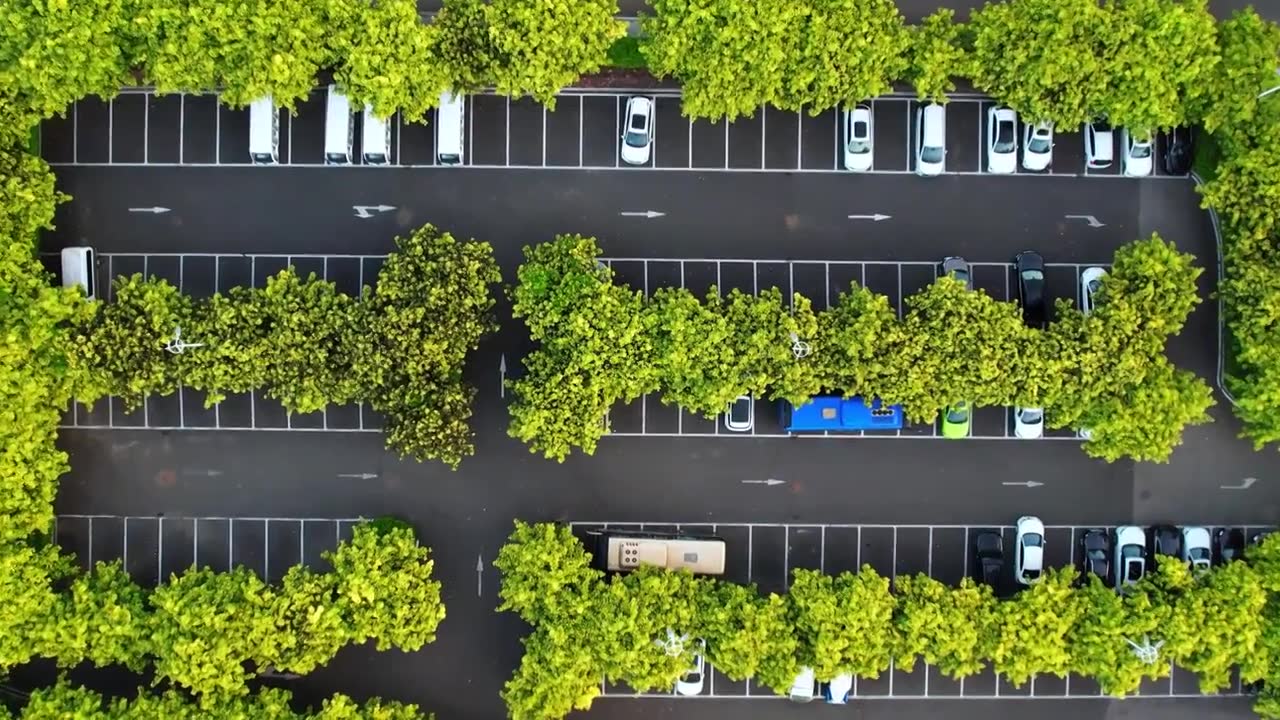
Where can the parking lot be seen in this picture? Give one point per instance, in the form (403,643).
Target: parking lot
(821,282)
(153,548)
(583,131)
(201,275)
(765,554)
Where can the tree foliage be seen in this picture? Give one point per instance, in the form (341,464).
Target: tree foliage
(388,59)
(936,55)
(541,47)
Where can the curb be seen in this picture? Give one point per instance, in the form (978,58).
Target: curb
(1217,239)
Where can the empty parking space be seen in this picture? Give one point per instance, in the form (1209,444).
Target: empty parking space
(768,553)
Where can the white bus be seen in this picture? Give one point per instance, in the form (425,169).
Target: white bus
(626,550)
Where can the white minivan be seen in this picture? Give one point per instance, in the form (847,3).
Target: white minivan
(375,139)
(449,129)
(79,269)
(264,131)
(339,128)
(931,139)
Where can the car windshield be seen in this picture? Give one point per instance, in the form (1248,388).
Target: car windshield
(1004,137)
(1199,554)
(1032,574)
(1032,275)
(1096,554)
(637,138)
(1032,539)
(1141,151)
(958,413)
(931,155)
(1094,286)
(961,275)
(1032,416)
(1039,144)
(1131,551)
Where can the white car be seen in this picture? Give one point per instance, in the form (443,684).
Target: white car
(1099,145)
(858,138)
(1090,285)
(836,692)
(802,686)
(1028,558)
(931,140)
(1139,156)
(637,131)
(691,682)
(1028,422)
(740,415)
(1197,552)
(1131,555)
(1037,146)
(1002,140)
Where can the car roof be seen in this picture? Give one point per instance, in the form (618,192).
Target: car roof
(640,102)
(1031,259)
(932,121)
(1004,113)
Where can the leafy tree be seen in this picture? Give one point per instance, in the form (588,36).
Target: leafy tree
(1042,57)
(937,55)
(1047,612)
(546,573)
(748,635)
(1109,621)
(642,627)
(249,50)
(1218,625)
(952,629)
(52,54)
(540,47)
(1158,280)
(123,348)
(1145,421)
(1160,55)
(843,623)
(27,574)
(388,59)
(694,350)
(556,675)
(855,340)
(102,617)
(843,51)
(310,627)
(766,331)
(1248,46)
(384,590)
(461,43)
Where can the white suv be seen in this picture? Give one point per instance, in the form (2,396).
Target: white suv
(637,131)
(1029,550)
(1037,146)
(1002,140)
(1099,145)
(931,140)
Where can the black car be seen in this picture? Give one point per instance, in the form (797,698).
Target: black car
(957,268)
(1095,555)
(988,558)
(1177,153)
(1031,288)
(1228,545)
(1164,540)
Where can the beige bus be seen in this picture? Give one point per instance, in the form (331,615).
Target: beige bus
(626,550)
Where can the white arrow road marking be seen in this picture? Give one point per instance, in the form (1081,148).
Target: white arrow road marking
(1244,484)
(359,476)
(153,210)
(479,575)
(362,211)
(877,217)
(210,472)
(1026,483)
(1091,220)
(643,213)
(502,375)
(770,482)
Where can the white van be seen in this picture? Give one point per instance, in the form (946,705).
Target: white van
(339,128)
(79,269)
(931,139)
(264,131)
(375,139)
(449,129)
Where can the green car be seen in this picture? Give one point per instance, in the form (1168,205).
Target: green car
(955,420)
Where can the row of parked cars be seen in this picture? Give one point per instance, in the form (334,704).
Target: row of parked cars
(1119,557)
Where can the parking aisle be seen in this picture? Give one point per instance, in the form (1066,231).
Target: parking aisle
(822,282)
(582,130)
(154,548)
(767,553)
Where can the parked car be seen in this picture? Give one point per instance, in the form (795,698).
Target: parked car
(802,686)
(956,419)
(1095,555)
(988,558)
(1131,555)
(1099,145)
(1037,146)
(836,692)
(1028,422)
(740,415)
(1197,552)
(957,268)
(931,139)
(1002,140)
(637,131)
(1029,549)
(858,138)
(1228,545)
(691,682)
(1031,288)
(1090,286)
(1138,158)
(1178,153)
(1164,540)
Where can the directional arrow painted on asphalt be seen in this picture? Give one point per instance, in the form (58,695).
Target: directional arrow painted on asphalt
(1091,220)
(358,476)
(1244,485)
(362,211)
(202,472)
(875,218)
(770,481)
(153,210)
(650,214)
(479,575)
(502,376)
(1025,483)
